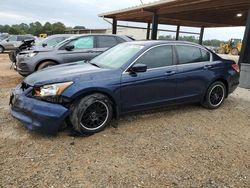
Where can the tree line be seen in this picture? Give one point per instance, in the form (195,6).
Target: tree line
(36,28)
(213,42)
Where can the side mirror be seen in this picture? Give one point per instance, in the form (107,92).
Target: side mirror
(69,48)
(44,44)
(138,68)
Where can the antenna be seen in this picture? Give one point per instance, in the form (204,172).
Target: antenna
(141,2)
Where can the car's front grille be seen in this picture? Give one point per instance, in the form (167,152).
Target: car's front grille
(22,66)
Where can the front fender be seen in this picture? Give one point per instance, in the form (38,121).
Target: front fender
(114,95)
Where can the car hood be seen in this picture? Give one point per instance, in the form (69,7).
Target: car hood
(38,49)
(63,73)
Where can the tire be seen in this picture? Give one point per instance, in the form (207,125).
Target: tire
(46,64)
(1,49)
(91,114)
(234,51)
(215,95)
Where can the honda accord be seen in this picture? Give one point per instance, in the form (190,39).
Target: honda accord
(131,76)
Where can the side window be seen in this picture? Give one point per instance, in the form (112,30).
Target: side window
(52,42)
(188,54)
(157,57)
(12,38)
(106,41)
(205,55)
(83,42)
(20,38)
(120,40)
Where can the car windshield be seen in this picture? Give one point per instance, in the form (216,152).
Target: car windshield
(50,41)
(40,42)
(117,56)
(63,42)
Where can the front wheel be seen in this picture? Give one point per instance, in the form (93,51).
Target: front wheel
(46,64)
(215,95)
(91,114)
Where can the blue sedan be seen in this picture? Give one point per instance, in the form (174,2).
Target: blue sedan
(129,77)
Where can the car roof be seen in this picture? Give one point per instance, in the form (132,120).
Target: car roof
(58,35)
(97,34)
(150,43)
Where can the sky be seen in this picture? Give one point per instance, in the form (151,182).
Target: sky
(85,13)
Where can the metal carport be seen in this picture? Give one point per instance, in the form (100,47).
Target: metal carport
(193,13)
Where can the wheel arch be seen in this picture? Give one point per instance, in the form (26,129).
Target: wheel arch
(81,94)
(2,47)
(221,79)
(44,60)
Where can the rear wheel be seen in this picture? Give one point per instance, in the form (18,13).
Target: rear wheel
(92,114)
(234,51)
(1,49)
(215,95)
(46,64)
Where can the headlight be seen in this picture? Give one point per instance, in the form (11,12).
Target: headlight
(30,54)
(51,90)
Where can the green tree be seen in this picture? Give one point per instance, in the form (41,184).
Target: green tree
(24,27)
(58,28)
(79,27)
(47,28)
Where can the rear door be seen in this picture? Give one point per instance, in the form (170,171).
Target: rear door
(84,49)
(192,71)
(154,87)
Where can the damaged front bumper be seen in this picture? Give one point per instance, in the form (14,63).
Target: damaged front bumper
(36,115)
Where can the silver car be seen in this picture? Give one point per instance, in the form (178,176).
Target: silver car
(76,48)
(13,42)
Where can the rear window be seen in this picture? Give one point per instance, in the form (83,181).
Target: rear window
(205,55)
(120,40)
(157,57)
(106,41)
(21,38)
(191,54)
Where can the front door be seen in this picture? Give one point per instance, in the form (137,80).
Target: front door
(84,49)
(154,87)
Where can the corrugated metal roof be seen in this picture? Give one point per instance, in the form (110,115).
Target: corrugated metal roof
(195,13)
(147,5)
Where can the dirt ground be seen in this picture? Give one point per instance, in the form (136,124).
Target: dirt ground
(183,146)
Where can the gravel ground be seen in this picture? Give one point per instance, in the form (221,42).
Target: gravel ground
(183,146)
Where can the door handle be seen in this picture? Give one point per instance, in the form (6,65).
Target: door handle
(169,73)
(208,67)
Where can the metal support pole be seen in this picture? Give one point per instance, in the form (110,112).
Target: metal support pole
(148,31)
(177,32)
(201,35)
(114,26)
(154,26)
(245,55)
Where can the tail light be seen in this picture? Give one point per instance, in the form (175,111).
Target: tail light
(236,67)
